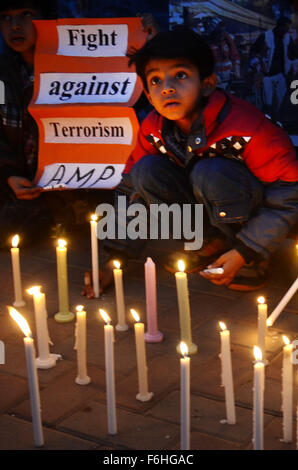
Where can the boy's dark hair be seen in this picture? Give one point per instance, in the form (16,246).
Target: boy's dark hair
(48,8)
(180,44)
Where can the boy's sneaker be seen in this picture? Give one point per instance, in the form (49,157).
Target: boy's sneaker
(251,276)
(196,260)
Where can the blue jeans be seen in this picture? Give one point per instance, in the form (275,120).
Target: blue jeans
(226,188)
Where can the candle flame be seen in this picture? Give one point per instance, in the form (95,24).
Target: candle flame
(258,353)
(181,265)
(94,218)
(261,300)
(79,308)
(15,241)
(117,264)
(105,316)
(222,325)
(62,243)
(286,340)
(35,290)
(20,320)
(269,322)
(135,314)
(183,348)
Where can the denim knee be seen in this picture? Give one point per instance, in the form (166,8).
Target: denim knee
(157,179)
(147,169)
(227,187)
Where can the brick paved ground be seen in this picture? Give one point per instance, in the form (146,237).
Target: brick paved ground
(74,416)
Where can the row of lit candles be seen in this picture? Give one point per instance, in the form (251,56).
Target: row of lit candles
(144,394)
(153,334)
(82,377)
(184,314)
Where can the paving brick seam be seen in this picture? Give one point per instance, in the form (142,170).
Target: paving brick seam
(53,427)
(90,438)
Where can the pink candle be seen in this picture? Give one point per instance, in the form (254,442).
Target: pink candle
(153,335)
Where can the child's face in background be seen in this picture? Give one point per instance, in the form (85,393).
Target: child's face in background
(17,28)
(174,89)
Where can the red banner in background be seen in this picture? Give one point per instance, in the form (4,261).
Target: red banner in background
(82,100)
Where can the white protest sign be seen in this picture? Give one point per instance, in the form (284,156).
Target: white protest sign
(88,130)
(81,175)
(59,88)
(95,40)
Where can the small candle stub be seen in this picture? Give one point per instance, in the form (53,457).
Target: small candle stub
(53,186)
(213,271)
(87,279)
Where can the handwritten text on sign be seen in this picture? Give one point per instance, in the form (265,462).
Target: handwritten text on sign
(82,175)
(88,130)
(93,40)
(57,88)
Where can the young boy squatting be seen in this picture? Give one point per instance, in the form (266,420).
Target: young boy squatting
(220,151)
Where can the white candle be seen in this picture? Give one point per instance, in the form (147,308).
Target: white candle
(286,298)
(184,398)
(110,373)
(80,346)
(121,325)
(32,377)
(258,400)
(184,308)
(144,394)
(152,335)
(94,253)
(262,326)
(16,272)
(287,391)
(45,360)
(227,374)
(64,315)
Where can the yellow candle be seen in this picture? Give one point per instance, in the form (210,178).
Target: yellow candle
(32,377)
(227,374)
(184,308)
(80,346)
(94,253)
(121,325)
(262,326)
(16,272)
(144,394)
(110,373)
(287,391)
(258,400)
(64,315)
(184,398)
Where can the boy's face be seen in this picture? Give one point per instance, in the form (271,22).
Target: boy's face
(174,89)
(17,28)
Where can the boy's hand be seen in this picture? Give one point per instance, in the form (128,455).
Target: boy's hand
(106,278)
(23,188)
(149,24)
(231,262)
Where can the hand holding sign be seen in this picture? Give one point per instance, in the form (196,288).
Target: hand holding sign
(149,23)
(23,188)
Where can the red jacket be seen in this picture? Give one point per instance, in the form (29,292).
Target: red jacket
(252,137)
